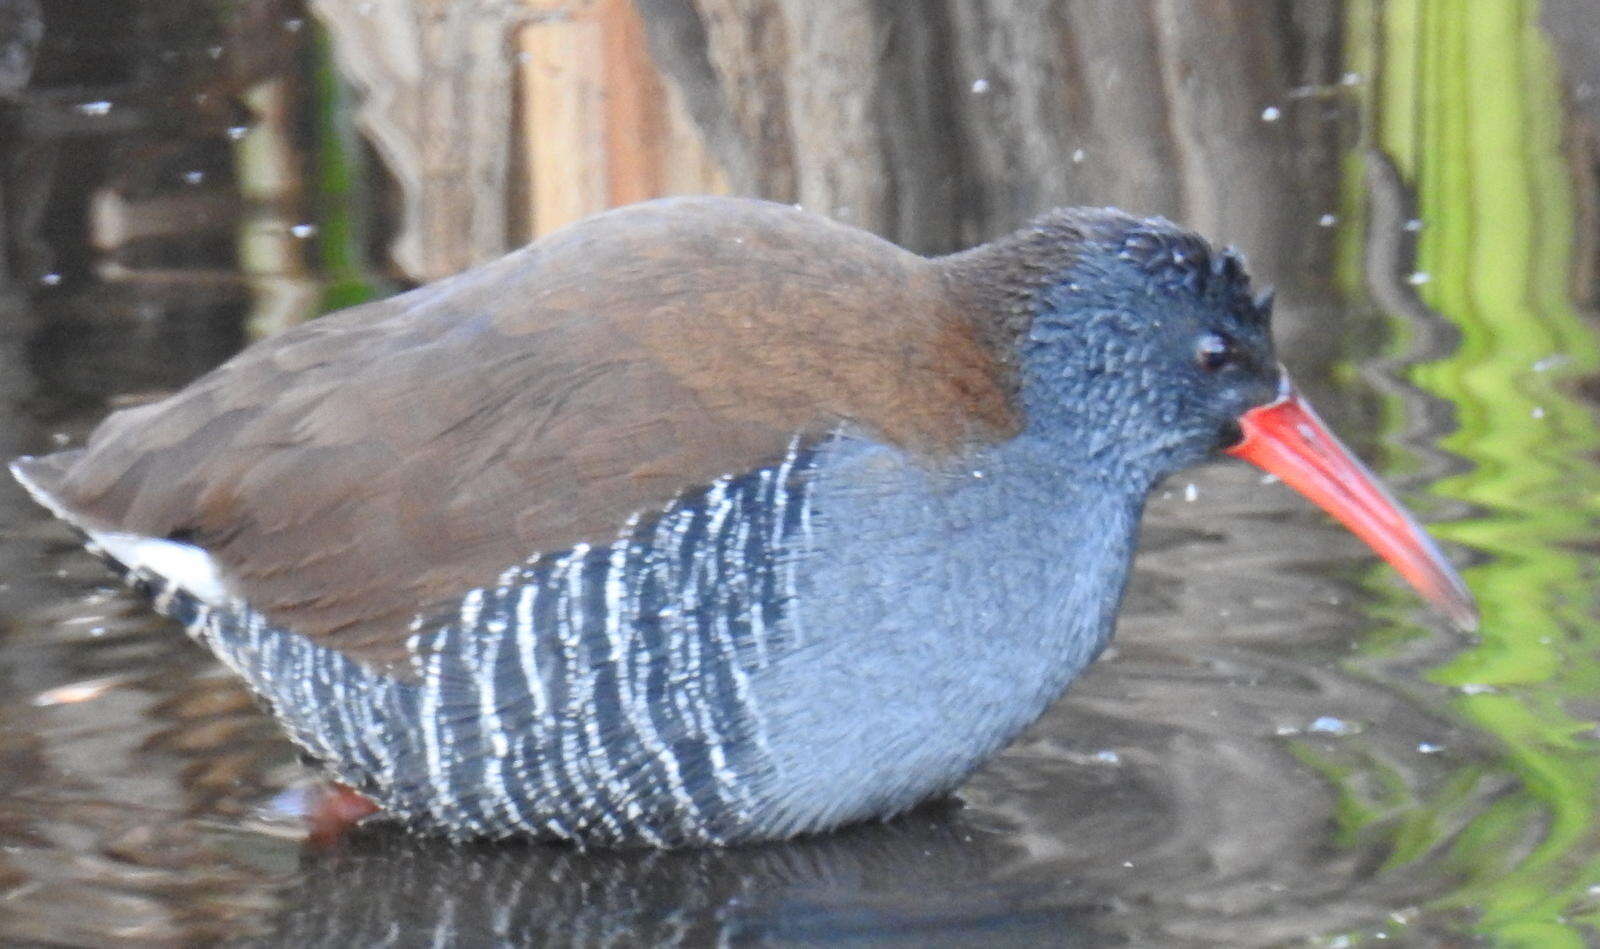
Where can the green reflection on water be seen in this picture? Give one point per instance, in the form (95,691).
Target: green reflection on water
(1467,104)
(340,221)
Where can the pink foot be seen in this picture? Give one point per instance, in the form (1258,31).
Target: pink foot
(333,811)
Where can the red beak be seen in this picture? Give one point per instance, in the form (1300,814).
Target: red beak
(1285,438)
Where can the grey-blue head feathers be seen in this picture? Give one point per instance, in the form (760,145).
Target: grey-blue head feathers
(1145,344)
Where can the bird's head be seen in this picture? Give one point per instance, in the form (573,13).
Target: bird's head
(1142,350)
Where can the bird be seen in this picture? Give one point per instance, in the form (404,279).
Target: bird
(702,521)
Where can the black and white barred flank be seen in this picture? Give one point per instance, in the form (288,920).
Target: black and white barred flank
(599,693)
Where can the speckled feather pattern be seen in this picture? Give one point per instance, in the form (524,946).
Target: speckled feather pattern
(599,694)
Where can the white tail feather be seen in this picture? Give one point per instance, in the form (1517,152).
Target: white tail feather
(184,565)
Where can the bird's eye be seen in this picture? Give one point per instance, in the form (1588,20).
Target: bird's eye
(1216,351)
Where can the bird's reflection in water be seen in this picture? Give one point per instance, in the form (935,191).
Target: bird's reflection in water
(881,884)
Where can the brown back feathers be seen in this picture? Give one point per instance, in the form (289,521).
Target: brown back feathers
(354,471)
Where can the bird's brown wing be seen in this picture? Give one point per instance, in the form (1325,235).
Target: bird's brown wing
(355,470)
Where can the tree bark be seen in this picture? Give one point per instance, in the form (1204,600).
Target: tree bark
(941,124)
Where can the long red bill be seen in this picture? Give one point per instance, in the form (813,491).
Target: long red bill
(1286,438)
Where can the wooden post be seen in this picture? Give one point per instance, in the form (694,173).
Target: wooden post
(563,113)
(600,128)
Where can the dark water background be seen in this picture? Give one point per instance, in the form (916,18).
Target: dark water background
(1283,746)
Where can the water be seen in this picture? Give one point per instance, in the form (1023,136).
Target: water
(1282,745)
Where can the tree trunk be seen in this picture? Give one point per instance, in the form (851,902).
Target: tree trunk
(940,124)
